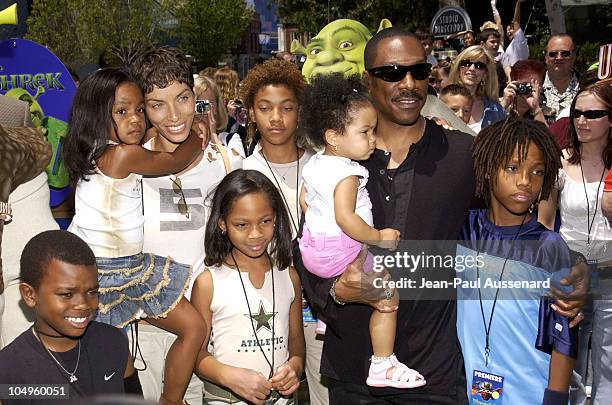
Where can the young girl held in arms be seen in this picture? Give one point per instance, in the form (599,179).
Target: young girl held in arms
(259,357)
(105,160)
(517,350)
(340,118)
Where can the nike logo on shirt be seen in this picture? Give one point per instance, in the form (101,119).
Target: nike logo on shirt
(106,378)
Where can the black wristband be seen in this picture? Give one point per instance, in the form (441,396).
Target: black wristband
(555,397)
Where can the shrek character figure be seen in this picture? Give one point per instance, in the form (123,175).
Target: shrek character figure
(338,47)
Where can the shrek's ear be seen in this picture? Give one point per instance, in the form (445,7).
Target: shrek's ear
(384,24)
(297,48)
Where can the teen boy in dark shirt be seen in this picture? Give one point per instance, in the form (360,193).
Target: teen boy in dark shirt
(64,348)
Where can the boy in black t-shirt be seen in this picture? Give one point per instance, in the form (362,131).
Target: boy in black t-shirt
(64,353)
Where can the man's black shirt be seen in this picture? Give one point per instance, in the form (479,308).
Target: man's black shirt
(426,198)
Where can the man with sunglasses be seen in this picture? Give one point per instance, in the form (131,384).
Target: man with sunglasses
(421,183)
(561,83)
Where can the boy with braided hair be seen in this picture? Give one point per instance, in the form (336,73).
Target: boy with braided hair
(503,307)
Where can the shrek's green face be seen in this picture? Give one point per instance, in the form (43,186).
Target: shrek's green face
(338,47)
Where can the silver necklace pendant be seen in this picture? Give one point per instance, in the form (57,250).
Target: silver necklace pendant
(73,378)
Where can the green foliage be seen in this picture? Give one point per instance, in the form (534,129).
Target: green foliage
(588,53)
(57,24)
(79,31)
(125,26)
(312,15)
(209,28)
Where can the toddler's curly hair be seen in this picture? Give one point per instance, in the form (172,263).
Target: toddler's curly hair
(329,102)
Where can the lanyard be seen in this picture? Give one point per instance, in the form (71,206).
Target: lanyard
(297,186)
(270,363)
(488,327)
(591,221)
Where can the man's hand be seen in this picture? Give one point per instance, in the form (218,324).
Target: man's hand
(442,122)
(569,305)
(358,287)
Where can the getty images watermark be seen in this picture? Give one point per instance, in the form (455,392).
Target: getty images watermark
(469,270)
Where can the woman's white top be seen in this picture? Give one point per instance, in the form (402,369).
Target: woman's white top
(321,175)
(108,214)
(573,210)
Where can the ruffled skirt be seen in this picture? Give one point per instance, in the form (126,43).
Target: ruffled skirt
(141,285)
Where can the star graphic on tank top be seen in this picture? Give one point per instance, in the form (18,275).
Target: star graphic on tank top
(262,318)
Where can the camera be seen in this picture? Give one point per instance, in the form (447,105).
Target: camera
(238,105)
(523,89)
(202,106)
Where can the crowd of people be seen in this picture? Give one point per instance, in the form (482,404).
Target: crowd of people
(227,234)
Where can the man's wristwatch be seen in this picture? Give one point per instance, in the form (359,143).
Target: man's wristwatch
(332,292)
(5,212)
(577,257)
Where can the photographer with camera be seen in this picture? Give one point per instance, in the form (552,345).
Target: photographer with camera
(210,106)
(523,92)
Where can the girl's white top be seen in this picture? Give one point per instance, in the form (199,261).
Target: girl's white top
(321,175)
(108,214)
(573,210)
(232,340)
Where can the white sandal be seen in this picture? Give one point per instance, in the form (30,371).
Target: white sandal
(402,376)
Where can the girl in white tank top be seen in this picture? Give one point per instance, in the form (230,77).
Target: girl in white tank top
(105,160)
(250,296)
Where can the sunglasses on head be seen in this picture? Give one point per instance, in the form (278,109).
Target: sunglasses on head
(590,115)
(564,54)
(478,65)
(177,187)
(396,73)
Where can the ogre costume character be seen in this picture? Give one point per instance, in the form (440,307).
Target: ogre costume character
(338,47)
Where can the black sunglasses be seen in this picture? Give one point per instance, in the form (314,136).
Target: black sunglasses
(590,115)
(564,54)
(478,65)
(395,73)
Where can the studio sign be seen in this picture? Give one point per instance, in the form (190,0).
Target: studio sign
(450,20)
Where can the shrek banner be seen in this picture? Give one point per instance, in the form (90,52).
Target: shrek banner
(31,73)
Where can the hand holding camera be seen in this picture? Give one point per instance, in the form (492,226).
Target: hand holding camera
(523,89)
(529,90)
(202,107)
(205,116)
(236,109)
